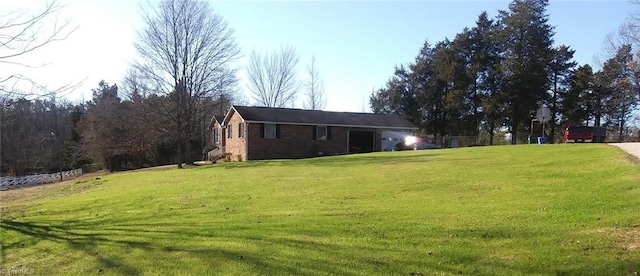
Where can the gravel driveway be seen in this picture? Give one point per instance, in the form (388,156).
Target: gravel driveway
(631,148)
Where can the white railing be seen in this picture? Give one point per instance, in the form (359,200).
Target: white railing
(215,154)
(11,182)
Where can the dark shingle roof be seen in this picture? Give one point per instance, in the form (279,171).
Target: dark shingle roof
(317,117)
(214,119)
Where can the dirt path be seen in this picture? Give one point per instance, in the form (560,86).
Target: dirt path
(631,148)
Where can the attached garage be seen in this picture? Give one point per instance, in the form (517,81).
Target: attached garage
(361,141)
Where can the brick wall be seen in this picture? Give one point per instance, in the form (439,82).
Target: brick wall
(235,145)
(295,141)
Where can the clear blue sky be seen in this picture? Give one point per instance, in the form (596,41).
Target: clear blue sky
(356,43)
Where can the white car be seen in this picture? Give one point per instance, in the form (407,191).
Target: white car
(416,143)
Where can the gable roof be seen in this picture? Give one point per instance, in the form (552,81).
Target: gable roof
(318,117)
(214,119)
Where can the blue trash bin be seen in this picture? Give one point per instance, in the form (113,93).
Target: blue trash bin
(542,140)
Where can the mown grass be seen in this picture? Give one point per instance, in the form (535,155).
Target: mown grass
(513,210)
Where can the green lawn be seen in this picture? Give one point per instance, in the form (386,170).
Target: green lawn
(530,209)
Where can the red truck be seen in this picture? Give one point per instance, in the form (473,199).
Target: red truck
(582,134)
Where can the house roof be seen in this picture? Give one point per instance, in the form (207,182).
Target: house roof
(215,119)
(317,117)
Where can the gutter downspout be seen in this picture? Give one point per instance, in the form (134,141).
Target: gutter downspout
(348,136)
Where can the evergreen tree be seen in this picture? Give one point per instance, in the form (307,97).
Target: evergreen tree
(599,98)
(560,70)
(429,88)
(396,98)
(618,77)
(576,106)
(462,99)
(104,133)
(487,78)
(527,37)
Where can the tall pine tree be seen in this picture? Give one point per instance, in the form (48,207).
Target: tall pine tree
(618,76)
(527,37)
(577,102)
(560,70)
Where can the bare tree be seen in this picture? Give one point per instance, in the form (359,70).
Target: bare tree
(272,77)
(34,134)
(632,24)
(186,50)
(315,96)
(135,85)
(142,132)
(628,33)
(22,34)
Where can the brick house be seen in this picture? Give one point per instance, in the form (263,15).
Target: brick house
(217,132)
(256,133)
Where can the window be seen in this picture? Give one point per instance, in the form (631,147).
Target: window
(229,131)
(270,131)
(216,135)
(240,130)
(321,133)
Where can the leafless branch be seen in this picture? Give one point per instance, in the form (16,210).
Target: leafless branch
(15,84)
(315,96)
(185,42)
(185,51)
(22,34)
(272,79)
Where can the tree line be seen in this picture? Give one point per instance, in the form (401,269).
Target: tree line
(496,74)
(109,131)
(490,77)
(159,113)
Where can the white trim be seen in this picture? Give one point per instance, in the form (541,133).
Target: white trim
(326,133)
(335,125)
(229,128)
(224,121)
(213,118)
(216,136)
(241,130)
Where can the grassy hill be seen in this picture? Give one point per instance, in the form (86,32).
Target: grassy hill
(530,209)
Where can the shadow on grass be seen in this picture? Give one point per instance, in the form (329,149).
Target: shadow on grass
(305,252)
(101,236)
(81,242)
(88,238)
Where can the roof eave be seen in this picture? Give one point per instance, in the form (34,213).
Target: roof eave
(227,116)
(336,125)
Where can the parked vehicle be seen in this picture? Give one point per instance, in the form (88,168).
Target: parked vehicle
(585,134)
(391,138)
(416,143)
